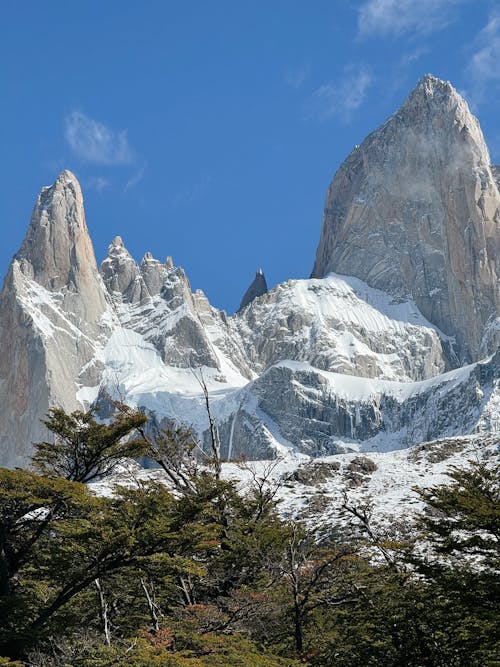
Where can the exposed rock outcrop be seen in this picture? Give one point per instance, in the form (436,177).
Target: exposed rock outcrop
(155,300)
(256,289)
(317,366)
(415,211)
(52,316)
(320,413)
(340,324)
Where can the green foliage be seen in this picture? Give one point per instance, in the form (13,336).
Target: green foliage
(206,575)
(85,448)
(466,517)
(463,564)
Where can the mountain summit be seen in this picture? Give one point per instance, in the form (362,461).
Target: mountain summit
(364,356)
(257,288)
(52,315)
(415,211)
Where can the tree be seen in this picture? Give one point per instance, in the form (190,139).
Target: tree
(461,563)
(85,448)
(465,519)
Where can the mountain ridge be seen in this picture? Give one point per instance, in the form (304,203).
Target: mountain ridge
(73,335)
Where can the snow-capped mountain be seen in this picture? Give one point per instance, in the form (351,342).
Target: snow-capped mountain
(367,355)
(414,211)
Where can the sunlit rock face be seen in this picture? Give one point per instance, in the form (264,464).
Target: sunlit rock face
(53,314)
(367,355)
(414,211)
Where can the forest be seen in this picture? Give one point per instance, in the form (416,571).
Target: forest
(193,572)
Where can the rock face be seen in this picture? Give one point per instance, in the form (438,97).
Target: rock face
(414,211)
(339,324)
(330,364)
(293,405)
(155,300)
(52,316)
(257,288)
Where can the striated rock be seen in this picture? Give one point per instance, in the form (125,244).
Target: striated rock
(256,289)
(293,405)
(53,316)
(414,211)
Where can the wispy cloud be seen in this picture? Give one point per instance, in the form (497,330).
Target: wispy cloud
(98,183)
(385,17)
(192,192)
(136,178)
(339,99)
(295,78)
(94,142)
(483,70)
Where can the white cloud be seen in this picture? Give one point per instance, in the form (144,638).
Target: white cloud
(341,98)
(384,17)
(483,71)
(94,142)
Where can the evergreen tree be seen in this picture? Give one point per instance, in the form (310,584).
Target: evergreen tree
(85,448)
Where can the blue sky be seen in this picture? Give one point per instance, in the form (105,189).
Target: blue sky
(209,130)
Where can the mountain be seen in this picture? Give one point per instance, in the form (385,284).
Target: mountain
(392,342)
(415,211)
(53,315)
(257,288)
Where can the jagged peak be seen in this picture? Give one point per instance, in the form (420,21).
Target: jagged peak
(67,176)
(257,288)
(57,235)
(434,97)
(117,249)
(148,258)
(169,262)
(66,184)
(431,84)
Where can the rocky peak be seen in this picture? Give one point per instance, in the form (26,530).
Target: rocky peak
(257,288)
(51,319)
(57,252)
(121,273)
(57,224)
(415,211)
(432,88)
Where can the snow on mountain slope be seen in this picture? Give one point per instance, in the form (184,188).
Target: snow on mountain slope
(135,373)
(314,489)
(293,405)
(341,324)
(316,366)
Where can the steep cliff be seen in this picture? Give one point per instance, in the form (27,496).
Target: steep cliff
(53,316)
(414,211)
